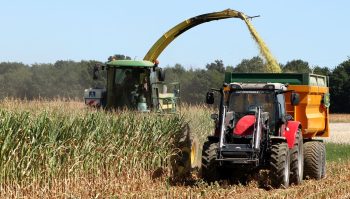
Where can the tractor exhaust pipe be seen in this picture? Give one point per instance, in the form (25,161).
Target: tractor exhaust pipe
(222,119)
(222,131)
(257,136)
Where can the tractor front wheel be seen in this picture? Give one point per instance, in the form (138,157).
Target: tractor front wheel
(279,165)
(210,172)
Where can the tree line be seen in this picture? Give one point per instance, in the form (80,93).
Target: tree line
(68,79)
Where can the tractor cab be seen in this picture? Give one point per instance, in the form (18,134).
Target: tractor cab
(134,85)
(253,131)
(251,121)
(243,99)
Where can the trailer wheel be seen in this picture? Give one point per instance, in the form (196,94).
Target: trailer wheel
(279,165)
(297,160)
(210,171)
(323,149)
(314,160)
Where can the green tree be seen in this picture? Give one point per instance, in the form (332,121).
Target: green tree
(217,65)
(322,71)
(119,57)
(298,66)
(253,65)
(340,88)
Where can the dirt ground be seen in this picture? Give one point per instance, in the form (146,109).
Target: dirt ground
(339,133)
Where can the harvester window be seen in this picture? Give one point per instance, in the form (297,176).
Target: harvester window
(131,86)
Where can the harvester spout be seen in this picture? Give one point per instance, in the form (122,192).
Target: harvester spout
(251,17)
(182,27)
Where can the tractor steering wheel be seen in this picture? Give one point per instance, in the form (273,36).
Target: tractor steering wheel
(252,108)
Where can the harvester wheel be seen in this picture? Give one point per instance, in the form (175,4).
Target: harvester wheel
(297,160)
(210,171)
(185,160)
(314,160)
(279,165)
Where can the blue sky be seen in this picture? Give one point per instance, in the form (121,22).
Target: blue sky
(45,31)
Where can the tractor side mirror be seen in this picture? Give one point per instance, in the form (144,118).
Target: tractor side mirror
(294,99)
(283,120)
(161,74)
(288,117)
(209,98)
(95,72)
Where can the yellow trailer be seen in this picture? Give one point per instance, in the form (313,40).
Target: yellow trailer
(312,111)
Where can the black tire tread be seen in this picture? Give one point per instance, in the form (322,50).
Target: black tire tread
(294,166)
(210,171)
(323,150)
(279,155)
(313,156)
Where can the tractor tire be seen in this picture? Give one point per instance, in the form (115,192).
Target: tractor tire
(279,165)
(210,172)
(314,160)
(297,160)
(185,161)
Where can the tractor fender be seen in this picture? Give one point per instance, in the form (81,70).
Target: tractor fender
(290,131)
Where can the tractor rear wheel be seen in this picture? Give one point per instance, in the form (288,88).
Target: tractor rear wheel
(279,165)
(185,159)
(314,160)
(297,160)
(210,172)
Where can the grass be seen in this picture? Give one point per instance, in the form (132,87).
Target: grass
(56,149)
(337,152)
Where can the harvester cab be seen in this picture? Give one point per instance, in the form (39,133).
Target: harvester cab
(136,85)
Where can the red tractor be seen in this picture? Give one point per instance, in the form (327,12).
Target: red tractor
(254,130)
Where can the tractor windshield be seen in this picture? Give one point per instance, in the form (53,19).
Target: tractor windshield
(244,101)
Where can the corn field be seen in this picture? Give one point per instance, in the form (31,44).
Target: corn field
(45,144)
(62,149)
